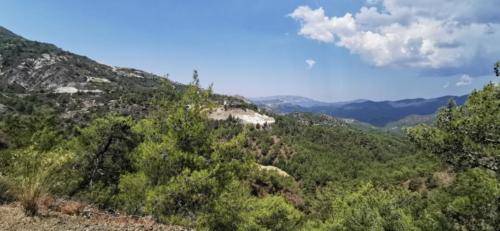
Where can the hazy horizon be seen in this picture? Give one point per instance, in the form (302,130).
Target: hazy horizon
(329,51)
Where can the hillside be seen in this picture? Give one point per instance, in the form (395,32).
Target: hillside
(30,66)
(126,146)
(376,113)
(34,73)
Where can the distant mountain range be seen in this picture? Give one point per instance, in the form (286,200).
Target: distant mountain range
(376,113)
(276,101)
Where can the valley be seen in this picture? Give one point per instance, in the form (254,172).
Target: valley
(375,113)
(152,154)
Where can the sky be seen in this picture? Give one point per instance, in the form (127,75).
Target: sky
(329,50)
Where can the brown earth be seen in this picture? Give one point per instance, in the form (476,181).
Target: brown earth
(12,218)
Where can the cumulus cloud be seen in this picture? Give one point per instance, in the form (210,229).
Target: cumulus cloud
(426,34)
(310,63)
(464,81)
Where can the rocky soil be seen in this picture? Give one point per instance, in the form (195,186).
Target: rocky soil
(12,218)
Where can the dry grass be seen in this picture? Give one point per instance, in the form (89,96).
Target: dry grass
(29,197)
(13,218)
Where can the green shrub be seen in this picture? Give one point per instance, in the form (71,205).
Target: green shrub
(272,213)
(235,209)
(475,201)
(184,196)
(32,175)
(132,196)
(5,190)
(103,153)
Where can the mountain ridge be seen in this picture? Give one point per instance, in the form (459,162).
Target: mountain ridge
(377,113)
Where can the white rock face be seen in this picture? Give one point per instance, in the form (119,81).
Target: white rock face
(45,60)
(246,116)
(73,90)
(97,80)
(69,90)
(3,108)
(91,91)
(128,73)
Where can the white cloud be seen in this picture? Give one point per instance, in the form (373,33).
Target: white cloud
(315,25)
(310,63)
(424,34)
(464,80)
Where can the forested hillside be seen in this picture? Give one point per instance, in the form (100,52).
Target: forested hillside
(305,172)
(375,113)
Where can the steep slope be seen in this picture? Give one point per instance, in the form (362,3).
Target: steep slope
(34,74)
(30,66)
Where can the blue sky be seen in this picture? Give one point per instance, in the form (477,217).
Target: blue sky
(260,47)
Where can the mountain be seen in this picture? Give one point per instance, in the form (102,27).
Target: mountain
(74,84)
(274,101)
(377,113)
(30,66)
(171,165)
(287,103)
(399,126)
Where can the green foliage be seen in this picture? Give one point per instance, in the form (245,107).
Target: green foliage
(466,136)
(179,167)
(345,155)
(102,154)
(273,213)
(38,129)
(182,165)
(266,182)
(132,196)
(182,196)
(32,175)
(235,209)
(6,194)
(227,212)
(475,204)
(363,208)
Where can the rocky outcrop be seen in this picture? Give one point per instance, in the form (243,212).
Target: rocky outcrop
(246,116)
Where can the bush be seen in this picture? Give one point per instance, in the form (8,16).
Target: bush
(103,153)
(364,208)
(272,213)
(28,195)
(32,175)
(228,212)
(184,196)
(475,204)
(235,209)
(5,190)
(132,194)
